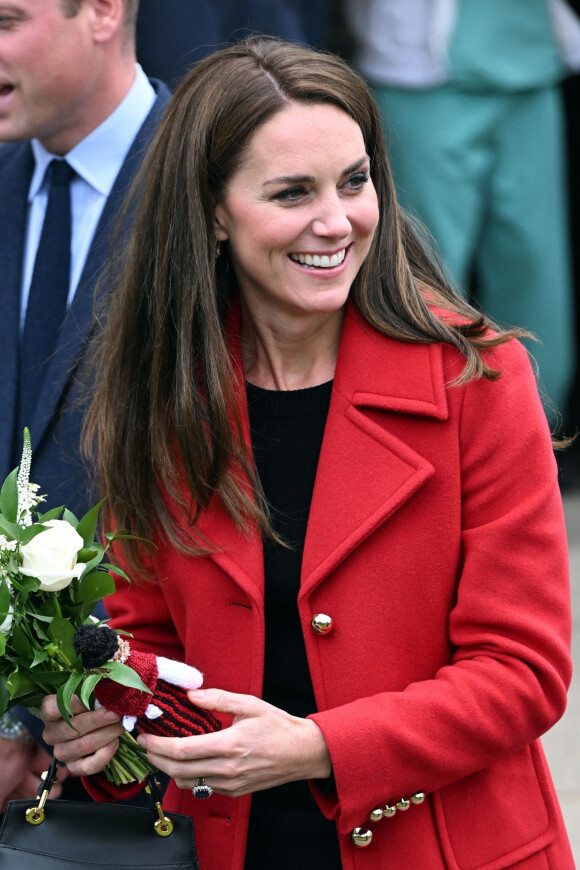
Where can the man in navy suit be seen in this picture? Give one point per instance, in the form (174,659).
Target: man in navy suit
(69,88)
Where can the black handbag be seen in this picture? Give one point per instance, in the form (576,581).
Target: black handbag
(56,834)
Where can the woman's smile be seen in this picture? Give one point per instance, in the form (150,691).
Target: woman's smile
(320,260)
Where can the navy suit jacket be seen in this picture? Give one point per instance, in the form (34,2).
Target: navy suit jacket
(55,429)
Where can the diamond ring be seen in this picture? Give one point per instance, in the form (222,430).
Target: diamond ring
(201,790)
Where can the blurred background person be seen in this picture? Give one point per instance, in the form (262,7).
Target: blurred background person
(471,101)
(78,114)
(172,35)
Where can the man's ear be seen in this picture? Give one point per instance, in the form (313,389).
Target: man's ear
(106,18)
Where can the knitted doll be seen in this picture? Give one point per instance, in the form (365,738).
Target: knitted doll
(167,711)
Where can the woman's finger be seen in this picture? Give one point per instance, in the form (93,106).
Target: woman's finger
(90,764)
(49,711)
(232,703)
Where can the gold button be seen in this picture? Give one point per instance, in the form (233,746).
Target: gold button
(322,624)
(403,804)
(417,798)
(362,837)
(376,815)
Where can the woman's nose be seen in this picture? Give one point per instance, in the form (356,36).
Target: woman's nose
(331,219)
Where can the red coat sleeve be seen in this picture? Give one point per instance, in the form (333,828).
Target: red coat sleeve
(139,608)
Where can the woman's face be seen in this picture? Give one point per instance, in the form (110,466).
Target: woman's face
(300,212)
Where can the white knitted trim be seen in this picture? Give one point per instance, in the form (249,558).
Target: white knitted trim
(179,674)
(153,712)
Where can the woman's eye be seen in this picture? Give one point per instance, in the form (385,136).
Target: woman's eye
(358,181)
(291,194)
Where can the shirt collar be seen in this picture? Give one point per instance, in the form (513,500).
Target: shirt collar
(100,155)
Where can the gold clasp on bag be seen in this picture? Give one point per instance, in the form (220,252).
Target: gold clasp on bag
(35,815)
(163,825)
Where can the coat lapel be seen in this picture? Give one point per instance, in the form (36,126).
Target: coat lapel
(16,172)
(365,473)
(79,321)
(236,552)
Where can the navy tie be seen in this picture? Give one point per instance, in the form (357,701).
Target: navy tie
(49,289)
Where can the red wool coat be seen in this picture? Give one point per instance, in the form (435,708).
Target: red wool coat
(436,544)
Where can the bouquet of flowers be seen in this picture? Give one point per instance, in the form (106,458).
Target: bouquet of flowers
(52,574)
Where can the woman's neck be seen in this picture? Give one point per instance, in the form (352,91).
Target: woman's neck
(290,356)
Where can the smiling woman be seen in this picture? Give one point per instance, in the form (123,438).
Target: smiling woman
(324,445)
(299,216)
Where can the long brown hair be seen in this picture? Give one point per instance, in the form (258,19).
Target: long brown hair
(163,417)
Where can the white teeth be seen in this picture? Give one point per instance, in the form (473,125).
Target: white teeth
(320,261)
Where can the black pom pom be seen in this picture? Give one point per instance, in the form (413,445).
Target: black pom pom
(96,644)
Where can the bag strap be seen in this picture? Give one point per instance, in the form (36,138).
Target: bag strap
(35,815)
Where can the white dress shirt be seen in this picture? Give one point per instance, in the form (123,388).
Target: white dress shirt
(97,160)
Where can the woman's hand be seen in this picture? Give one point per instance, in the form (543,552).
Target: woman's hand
(92,741)
(263,748)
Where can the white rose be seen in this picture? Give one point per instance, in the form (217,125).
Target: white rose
(52,556)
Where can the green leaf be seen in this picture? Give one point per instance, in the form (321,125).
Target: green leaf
(119,535)
(27,584)
(4,599)
(64,696)
(2,643)
(18,683)
(70,518)
(88,688)
(70,688)
(10,530)
(38,628)
(9,497)
(125,535)
(61,631)
(94,586)
(53,514)
(126,676)
(45,605)
(40,656)
(31,532)
(93,562)
(87,525)
(115,570)
(81,614)
(20,643)
(85,555)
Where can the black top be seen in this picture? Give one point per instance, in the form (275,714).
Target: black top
(287,830)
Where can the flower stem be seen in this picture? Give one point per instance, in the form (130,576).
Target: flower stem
(56,603)
(129,763)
